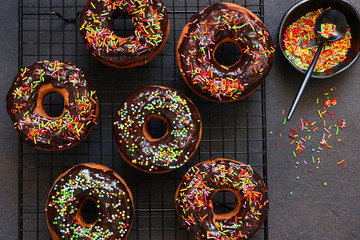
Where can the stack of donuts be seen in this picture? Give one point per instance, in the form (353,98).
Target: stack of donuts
(199,40)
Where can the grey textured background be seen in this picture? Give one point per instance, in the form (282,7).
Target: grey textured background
(313,211)
(8,138)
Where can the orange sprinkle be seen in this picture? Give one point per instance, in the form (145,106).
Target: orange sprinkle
(340,162)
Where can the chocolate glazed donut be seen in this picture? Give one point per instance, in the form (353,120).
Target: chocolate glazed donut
(25,105)
(100,184)
(151,26)
(201,182)
(172,150)
(216,24)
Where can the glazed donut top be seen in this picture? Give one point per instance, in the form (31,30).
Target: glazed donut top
(42,131)
(150,25)
(175,147)
(90,181)
(218,23)
(199,185)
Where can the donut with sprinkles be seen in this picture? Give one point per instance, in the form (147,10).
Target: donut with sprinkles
(193,200)
(151,29)
(172,150)
(26,110)
(205,32)
(105,188)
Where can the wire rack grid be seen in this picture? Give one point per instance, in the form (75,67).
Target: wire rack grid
(48,30)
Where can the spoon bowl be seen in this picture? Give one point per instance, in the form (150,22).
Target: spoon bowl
(331,17)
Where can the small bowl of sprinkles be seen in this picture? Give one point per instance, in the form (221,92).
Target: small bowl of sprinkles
(298,41)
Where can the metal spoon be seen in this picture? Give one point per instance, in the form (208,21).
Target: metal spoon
(331,16)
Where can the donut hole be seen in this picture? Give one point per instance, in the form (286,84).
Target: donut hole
(224,202)
(227,54)
(53,104)
(89,212)
(123,26)
(156,128)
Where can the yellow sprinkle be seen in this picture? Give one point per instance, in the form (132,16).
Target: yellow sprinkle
(319,113)
(82,27)
(225,67)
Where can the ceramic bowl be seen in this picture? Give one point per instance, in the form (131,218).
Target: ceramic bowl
(353,20)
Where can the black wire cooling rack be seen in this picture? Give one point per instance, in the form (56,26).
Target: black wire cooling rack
(49,31)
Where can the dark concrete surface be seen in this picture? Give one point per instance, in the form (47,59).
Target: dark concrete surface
(8,138)
(312,211)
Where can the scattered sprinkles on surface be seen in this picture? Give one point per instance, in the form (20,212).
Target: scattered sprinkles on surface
(319,136)
(299,47)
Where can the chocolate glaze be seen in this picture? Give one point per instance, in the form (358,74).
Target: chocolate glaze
(199,185)
(80,111)
(151,26)
(175,147)
(218,23)
(101,184)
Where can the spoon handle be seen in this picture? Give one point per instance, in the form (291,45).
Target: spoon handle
(306,80)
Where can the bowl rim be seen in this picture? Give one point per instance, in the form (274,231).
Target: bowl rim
(290,10)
